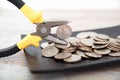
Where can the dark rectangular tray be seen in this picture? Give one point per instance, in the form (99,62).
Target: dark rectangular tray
(39,64)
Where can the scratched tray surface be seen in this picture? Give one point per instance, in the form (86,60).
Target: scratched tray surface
(38,64)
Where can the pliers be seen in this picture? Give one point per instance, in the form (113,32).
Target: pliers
(43,29)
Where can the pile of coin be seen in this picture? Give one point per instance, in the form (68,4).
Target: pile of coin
(85,45)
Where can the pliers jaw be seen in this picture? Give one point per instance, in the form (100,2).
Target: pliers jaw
(44,30)
(54,39)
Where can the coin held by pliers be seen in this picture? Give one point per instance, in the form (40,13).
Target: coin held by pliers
(64,31)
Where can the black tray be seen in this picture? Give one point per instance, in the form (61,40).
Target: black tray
(39,64)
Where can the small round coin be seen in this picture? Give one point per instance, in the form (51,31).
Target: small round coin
(62,46)
(101,42)
(102,51)
(49,51)
(103,36)
(44,44)
(86,34)
(113,48)
(62,55)
(87,41)
(64,31)
(85,48)
(99,46)
(118,41)
(118,36)
(81,53)
(115,45)
(73,40)
(117,54)
(70,49)
(92,54)
(112,40)
(73,58)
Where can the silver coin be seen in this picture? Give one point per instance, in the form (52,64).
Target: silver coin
(116,45)
(80,44)
(50,51)
(74,44)
(44,44)
(62,46)
(103,36)
(118,36)
(117,54)
(73,58)
(81,53)
(62,55)
(73,40)
(70,49)
(86,34)
(64,31)
(101,42)
(102,51)
(113,48)
(85,48)
(100,46)
(92,54)
(118,41)
(112,40)
(87,41)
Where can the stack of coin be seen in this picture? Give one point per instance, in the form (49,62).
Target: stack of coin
(113,45)
(100,41)
(84,45)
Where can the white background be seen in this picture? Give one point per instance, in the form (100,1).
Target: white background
(67,4)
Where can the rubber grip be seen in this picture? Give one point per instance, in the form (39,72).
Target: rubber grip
(17,3)
(9,51)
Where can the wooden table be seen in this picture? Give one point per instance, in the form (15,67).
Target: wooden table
(13,23)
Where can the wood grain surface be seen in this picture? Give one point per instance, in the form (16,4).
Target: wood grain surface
(13,23)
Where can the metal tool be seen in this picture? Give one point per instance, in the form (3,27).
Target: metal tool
(43,30)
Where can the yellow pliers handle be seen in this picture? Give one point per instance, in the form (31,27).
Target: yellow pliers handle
(27,41)
(33,16)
